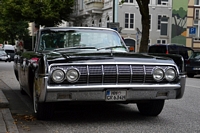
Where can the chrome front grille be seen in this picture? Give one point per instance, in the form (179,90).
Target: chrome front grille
(112,74)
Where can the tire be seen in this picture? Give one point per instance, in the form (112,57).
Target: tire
(43,111)
(151,108)
(190,75)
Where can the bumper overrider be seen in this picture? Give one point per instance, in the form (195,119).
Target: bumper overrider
(130,92)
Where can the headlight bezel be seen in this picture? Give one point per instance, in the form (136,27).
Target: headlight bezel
(154,71)
(175,74)
(58,69)
(69,71)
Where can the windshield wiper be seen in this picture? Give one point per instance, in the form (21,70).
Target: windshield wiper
(69,48)
(110,47)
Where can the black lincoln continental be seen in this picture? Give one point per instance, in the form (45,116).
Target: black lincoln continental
(84,64)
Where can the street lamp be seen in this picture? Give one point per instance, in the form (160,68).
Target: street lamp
(115,10)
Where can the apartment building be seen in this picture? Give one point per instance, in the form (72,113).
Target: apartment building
(99,13)
(193,24)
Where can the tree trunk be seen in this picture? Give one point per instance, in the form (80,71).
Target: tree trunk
(144,11)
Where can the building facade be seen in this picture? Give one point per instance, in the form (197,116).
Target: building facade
(99,13)
(193,24)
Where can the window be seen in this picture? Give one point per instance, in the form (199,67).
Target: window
(108,19)
(129,20)
(159,22)
(197,2)
(128,1)
(197,14)
(164,26)
(99,22)
(149,22)
(161,41)
(93,23)
(162,2)
(197,22)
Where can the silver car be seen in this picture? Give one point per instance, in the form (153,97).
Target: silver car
(4,56)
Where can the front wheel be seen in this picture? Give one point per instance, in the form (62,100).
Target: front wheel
(44,111)
(151,108)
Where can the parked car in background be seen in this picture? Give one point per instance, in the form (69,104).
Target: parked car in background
(169,49)
(4,56)
(179,49)
(10,50)
(90,64)
(193,64)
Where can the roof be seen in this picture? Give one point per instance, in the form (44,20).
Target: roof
(88,28)
(8,47)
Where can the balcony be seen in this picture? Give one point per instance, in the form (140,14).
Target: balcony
(108,4)
(94,6)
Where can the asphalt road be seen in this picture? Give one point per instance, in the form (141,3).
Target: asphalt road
(178,116)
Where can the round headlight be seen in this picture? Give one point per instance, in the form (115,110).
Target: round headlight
(72,75)
(158,74)
(170,74)
(58,76)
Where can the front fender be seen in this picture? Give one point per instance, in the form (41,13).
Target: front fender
(178,59)
(41,79)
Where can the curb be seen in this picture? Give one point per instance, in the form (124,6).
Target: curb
(7,122)
(3,100)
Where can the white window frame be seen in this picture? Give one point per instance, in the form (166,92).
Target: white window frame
(197,17)
(197,2)
(129,14)
(161,40)
(158,22)
(150,16)
(163,3)
(129,1)
(196,23)
(162,15)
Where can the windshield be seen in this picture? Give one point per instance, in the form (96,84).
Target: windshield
(51,40)
(195,55)
(2,52)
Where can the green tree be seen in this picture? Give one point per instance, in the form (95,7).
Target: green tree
(42,12)
(11,30)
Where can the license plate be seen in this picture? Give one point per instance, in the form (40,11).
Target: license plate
(116,95)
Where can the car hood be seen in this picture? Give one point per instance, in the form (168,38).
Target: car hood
(95,57)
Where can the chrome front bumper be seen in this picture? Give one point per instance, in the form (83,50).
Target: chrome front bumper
(58,93)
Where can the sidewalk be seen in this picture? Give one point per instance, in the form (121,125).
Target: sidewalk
(7,123)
